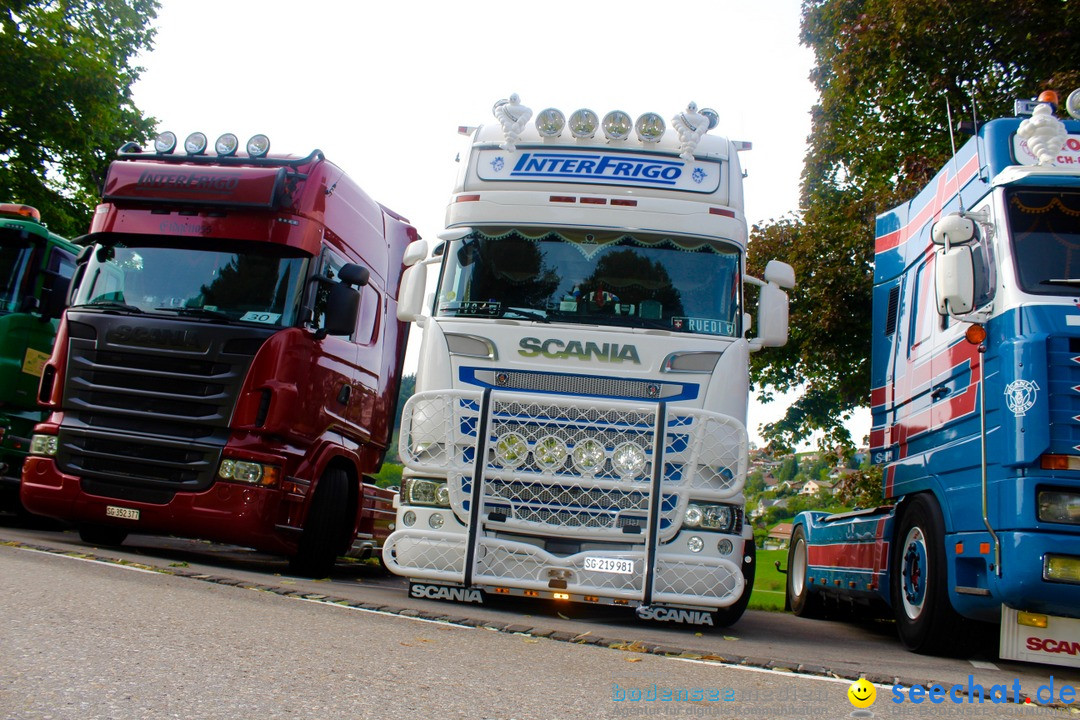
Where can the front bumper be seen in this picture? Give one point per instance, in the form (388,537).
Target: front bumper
(226,512)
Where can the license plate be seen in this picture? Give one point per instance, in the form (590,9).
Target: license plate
(610,565)
(122,512)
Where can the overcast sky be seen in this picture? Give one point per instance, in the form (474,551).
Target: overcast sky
(381,87)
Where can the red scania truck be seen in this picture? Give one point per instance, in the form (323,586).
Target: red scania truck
(229,362)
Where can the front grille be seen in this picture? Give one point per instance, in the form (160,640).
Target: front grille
(1063,356)
(568,384)
(150,417)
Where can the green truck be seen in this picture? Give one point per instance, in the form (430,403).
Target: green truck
(35,271)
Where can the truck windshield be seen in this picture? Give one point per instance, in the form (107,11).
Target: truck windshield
(1045,228)
(15,256)
(245,284)
(591,277)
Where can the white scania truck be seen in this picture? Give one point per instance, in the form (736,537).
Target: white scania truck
(579,427)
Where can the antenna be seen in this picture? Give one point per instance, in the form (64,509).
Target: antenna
(956,169)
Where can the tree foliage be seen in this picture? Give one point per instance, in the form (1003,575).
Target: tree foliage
(65,100)
(884,70)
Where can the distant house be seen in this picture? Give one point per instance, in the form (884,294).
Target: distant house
(779,537)
(812,486)
(764,504)
(770,481)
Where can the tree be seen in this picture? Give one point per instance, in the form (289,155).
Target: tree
(884,70)
(65,100)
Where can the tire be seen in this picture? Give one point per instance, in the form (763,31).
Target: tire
(326,527)
(801,599)
(104,535)
(925,619)
(728,616)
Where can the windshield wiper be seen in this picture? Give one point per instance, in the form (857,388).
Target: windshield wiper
(1072,282)
(111,305)
(527,313)
(196,312)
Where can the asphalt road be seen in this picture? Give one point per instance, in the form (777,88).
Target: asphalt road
(169,628)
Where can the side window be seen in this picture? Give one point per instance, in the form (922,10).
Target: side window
(367,325)
(62,263)
(330,264)
(924,309)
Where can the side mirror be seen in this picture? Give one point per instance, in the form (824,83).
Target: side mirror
(415,252)
(773,305)
(954,229)
(54,297)
(342,309)
(411,298)
(954,279)
(353,274)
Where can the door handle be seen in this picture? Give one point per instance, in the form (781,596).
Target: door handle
(939,392)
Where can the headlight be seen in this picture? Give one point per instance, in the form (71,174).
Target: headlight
(1062,568)
(1059,507)
(252,473)
(43,445)
(417,491)
(712,516)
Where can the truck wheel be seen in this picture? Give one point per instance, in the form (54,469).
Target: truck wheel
(802,600)
(725,617)
(925,619)
(324,531)
(106,535)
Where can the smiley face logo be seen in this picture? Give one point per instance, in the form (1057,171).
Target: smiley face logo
(861,693)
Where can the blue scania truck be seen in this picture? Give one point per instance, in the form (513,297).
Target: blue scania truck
(975,403)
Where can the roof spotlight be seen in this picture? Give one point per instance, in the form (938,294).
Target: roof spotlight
(195,144)
(258,146)
(714,117)
(226,145)
(550,122)
(583,123)
(165,142)
(650,127)
(617,125)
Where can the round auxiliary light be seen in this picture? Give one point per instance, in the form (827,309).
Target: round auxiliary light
(617,125)
(409,518)
(195,144)
(583,123)
(165,142)
(550,453)
(1072,104)
(226,145)
(628,460)
(724,546)
(435,521)
(442,495)
(714,117)
(694,516)
(511,450)
(588,456)
(650,127)
(550,122)
(695,544)
(258,146)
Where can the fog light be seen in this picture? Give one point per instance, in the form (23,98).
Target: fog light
(435,521)
(588,456)
(550,453)
(724,546)
(43,445)
(409,518)
(695,544)
(1032,619)
(1062,568)
(628,460)
(511,449)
